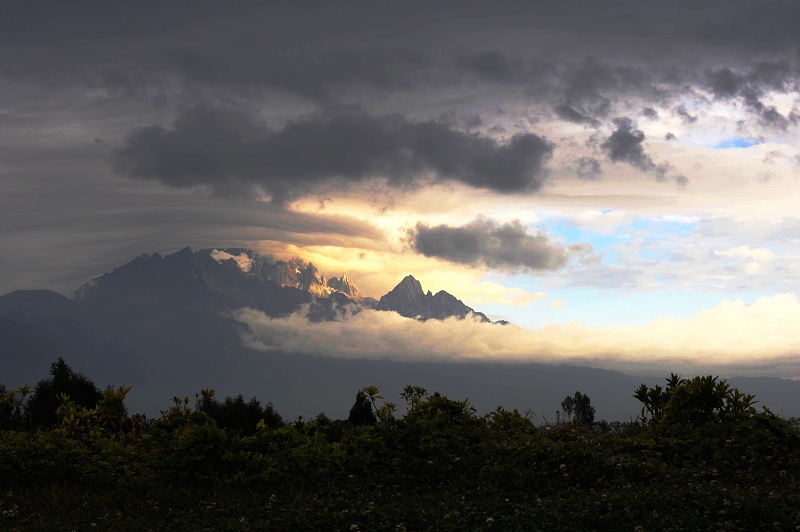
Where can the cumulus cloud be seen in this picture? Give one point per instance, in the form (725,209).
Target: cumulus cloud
(753,85)
(228,151)
(730,333)
(625,144)
(485,242)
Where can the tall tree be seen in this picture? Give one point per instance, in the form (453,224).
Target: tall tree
(361,413)
(40,410)
(578,409)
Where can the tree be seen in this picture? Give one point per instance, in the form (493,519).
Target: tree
(237,415)
(361,413)
(579,409)
(40,410)
(6,408)
(696,401)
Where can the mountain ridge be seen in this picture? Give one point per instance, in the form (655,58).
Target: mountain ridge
(409,300)
(224,279)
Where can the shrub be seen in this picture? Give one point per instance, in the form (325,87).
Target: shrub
(705,418)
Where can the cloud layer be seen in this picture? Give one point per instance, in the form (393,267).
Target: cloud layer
(732,333)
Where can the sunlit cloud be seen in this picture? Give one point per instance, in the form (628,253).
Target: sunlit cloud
(730,333)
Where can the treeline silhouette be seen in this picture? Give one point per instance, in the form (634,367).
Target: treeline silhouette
(37,408)
(698,456)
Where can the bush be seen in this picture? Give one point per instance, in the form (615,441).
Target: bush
(704,418)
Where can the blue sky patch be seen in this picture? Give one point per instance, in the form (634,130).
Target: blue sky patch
(739,142)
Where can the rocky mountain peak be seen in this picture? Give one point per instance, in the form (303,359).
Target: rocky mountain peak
(409,284)
(409,300)
(294,273)
(346,286)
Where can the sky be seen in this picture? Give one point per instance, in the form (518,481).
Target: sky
(618,179)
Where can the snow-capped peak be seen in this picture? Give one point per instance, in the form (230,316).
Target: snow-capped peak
(243,260)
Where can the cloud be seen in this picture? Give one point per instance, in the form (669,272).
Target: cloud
(229,152)
(589,169)
(489,293)
(686,117)
(650,113)
(571,114)
(625,145)
(484,242)
(758,25)
(753,85)
(747,252)
(489,65)
(730,333)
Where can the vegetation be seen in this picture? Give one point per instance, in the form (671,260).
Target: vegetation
(699,457)
(234,414)
(40,408)
(579,409)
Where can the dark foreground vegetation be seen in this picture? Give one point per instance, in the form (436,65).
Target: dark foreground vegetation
(700,457)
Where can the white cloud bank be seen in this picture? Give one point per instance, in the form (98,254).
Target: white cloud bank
(731,333)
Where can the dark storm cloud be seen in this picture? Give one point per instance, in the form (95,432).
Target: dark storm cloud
(725,83)
(227,151)
(308,74)
(625,145)
(752,85)
(327,51)
(490,65)
(565,112)
(590,86)
(762,25)
(589,169)
(484,242)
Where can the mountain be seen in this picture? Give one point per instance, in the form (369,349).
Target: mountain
(409,300)
(346,286)
(294,273)
(223,280)
(217,281)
